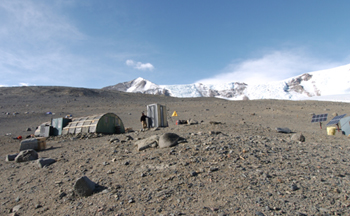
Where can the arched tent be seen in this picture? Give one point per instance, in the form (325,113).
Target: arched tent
(108,123)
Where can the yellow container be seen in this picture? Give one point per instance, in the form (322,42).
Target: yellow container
(331,130)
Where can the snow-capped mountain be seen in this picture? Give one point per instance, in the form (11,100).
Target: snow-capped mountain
(335,81)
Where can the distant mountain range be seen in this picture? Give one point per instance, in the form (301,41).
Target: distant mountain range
(335,81)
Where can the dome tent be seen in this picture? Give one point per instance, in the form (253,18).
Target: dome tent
(108,123)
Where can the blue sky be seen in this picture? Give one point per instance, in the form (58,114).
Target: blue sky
(99,43)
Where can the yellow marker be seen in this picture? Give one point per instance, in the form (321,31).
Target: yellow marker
(174,114)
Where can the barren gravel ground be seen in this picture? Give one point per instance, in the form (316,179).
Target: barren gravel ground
(240,166)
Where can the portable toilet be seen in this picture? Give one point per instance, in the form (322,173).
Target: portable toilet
(345,125)
(158,115)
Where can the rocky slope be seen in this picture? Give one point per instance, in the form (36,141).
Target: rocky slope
(233,162)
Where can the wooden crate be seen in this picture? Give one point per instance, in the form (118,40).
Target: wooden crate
(41,143)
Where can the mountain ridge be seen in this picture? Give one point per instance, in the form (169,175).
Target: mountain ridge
(311,84)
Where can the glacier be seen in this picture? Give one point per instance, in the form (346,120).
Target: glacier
(311,85)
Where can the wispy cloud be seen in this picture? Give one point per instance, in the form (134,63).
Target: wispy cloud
(271,66)
(139,65)
(35,21)
(35,44)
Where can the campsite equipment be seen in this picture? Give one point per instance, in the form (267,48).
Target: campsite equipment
(319,118)
(44,130)
(158,115)
(336,120)
(331,130)
(345,125)
(108,123)
(178,122)
(58,124)
(36,144)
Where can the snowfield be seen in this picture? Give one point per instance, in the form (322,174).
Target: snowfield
(330,85)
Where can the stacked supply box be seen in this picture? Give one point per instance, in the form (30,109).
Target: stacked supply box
(36,144)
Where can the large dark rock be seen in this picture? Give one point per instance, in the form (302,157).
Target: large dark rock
(84,186)
(42,162)
(147,143)
(11,157)
(26,155)
(168,140)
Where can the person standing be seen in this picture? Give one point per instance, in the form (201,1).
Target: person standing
(143,121)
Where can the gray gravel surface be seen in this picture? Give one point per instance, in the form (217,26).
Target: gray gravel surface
(233,162)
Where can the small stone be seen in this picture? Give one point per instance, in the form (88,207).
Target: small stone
(126,163)
(213,169)
(194,173)
(259,214)
(293,187)
(105,191)
(298,137)
(131,200)
(17,199)
(336,190)
(16,208)
(63,194)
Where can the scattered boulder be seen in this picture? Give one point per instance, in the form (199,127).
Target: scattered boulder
(168,140)
(84,186)
(283,130)
(298,137)
(192,122)
(16,208)
(113,140)
(214,132)
(42,162)
(11,157)
(26,155)
(214,123)
(147,143)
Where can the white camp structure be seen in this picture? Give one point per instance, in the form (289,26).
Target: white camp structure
(158,115)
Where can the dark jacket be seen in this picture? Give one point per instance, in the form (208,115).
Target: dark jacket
(143,118)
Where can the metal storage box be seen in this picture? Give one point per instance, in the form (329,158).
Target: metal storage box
(33,143)
(58,124)
(45,131)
